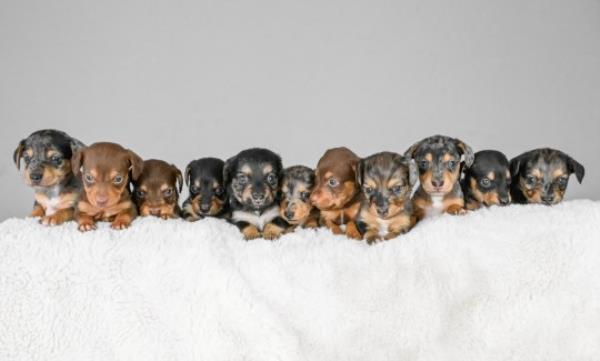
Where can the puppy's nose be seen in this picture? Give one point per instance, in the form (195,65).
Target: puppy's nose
(548,200)
(101,200)
(205,207)
(154,211)
(36,176)
(258,196)
(437,183)
(289,214)
(504,201)
(382,211)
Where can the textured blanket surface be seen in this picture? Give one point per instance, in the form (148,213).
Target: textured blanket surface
(516,283)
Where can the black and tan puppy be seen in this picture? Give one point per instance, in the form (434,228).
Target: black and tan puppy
(156,191)
(208,198)
(296,186)
(336,193)
(439,160)
(252,180)
(487,181)
(386,180)
(106,169)
(542,176)
(47,157)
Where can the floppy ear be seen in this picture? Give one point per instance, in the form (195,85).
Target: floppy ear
(516,163)
(410,152)
(575,167)
(186,175)
(227,170)
(467,152)
(77,161)
(18,153)
(358,169)
(76,145)
(413,174)
(137,165)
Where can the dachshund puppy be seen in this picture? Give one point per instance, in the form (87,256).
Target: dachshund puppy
(252,180)
(386,211)
(208,198)
(336,193)
(156,191)
(105,169)
(439,161)
(487,180)
(542,176)
(47,156)
(296,186)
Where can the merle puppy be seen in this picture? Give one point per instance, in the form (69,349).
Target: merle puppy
(47,157)
(252,180)
(487,180)
(542,176)
(208,198)
(296,186)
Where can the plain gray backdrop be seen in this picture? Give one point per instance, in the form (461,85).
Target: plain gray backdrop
(179,80)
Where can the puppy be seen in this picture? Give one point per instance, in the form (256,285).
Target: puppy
(336,192)
(439,160)
(156,191)
(47,156)
(105,169)
(296,186)
(386,180)
(542,176)
(487,181)
(252,180)
(208,198)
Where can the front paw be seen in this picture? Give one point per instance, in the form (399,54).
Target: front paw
(335,229)
(120,223)
(272,231)
(52,220)
(456,210)
(372,238)
(250,233)
(86,225)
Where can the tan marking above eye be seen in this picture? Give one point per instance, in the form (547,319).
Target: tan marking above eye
(394,182)
(328,175)
(429,157)
(29,152)
(267,169)
(164,187)
(491,175)
(536,172)
(447,157)
(143,188)
(215,184)
(50,153)
(557,173)
(370,183)
(507,174)
(246,169)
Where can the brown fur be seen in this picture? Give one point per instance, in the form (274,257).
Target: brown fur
(156,190)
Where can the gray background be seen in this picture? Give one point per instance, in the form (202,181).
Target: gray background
(179,80)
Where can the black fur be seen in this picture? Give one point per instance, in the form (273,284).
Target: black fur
(200,177)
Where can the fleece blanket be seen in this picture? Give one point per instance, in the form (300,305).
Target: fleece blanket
(515,283)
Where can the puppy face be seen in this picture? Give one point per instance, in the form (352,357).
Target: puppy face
(386,180)
(296,187)
(252,178)
(438,160)
(204,178)
(542,175)
(488,179)
(47,157)
(156,190)
(105,169)
(335,179)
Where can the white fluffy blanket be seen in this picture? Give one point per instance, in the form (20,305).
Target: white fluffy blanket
(517,283)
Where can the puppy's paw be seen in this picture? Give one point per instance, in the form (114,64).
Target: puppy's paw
(352,231)
(372,238)
(53,220)
(455,209)
(250,233)
(86,225)
(37,212)
(121,223)
(392,235)
(272,231)
(335,229)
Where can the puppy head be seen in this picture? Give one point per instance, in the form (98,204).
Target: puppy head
(156,189)
(204,178)
(488,178)
(542,175)
(386,180)
(47,157)
(106,169)
(335,179)
(252,178)
(296,187)
(438,160)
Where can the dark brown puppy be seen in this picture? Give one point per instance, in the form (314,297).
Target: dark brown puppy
(386,180)
(47,157)
(542,176)
(486,182)
(208,198)
(439,159)
(296,187)
(336,193)
(105,169)
(156,191)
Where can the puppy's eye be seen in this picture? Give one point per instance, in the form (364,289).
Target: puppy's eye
(89,178)
(485,182)
(531,180)
(397,189)
(242,179)
(168,192)
(451,164)
(561,182)
(27,158)
(140,193)
(118,179)
(219,191)
(272,179)
(194,189)
(368,190)
(305,196)
(423,164)
(332,182)
(56,159)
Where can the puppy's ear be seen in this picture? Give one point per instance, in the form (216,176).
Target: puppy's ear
(575,167)
(516,163)
(467,152)
(77,161)
(227,168)
(18,153)
(413,173)
(186,174)
(179,177)
(360,165)
(76,145)
(410,152)
(137,165)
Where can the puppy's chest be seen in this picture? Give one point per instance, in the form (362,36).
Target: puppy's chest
(53,201)
(341,216)
(437,205)
(257,219)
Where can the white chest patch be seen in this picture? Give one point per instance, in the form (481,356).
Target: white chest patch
(384,225)
(259,220)
(51,201)
(437,205)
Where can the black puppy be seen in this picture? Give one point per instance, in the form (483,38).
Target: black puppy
(486,182)
(542,176)
(252,180)
(208,198)
(47,155)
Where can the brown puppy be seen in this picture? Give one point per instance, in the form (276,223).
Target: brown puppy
(336,193)
(156,191)
(297,184)
(105,169)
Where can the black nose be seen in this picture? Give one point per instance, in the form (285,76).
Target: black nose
(437,183)
(205,207)
(548,199)
(382,210)
(504,201)
(258,196)
(289,214)
(35,176)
